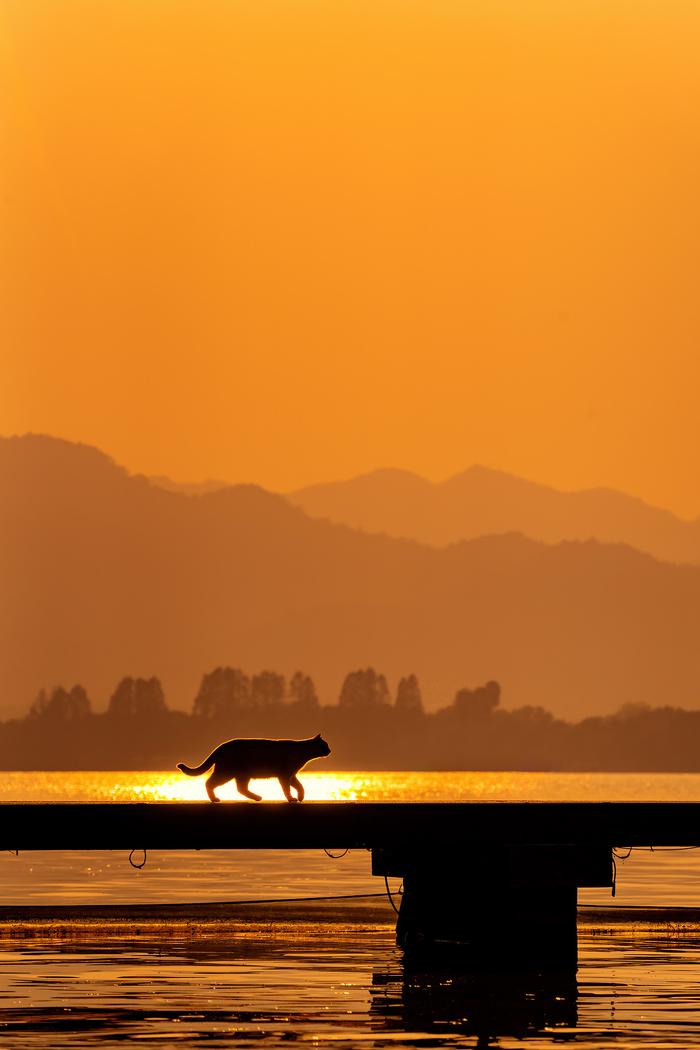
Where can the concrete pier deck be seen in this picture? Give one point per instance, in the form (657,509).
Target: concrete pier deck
(352,825)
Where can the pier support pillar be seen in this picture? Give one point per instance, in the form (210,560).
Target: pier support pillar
(501,928)
(504,908)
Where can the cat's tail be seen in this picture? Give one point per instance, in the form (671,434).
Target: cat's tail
(197,771)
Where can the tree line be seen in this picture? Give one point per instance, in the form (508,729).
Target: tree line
(368,727)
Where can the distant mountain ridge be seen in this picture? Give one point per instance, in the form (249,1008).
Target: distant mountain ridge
(189,488)
(484,502)
(104,574)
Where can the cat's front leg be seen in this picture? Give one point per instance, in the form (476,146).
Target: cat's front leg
(299,787)
(285,785)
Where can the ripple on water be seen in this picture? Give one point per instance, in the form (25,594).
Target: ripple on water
(341,990)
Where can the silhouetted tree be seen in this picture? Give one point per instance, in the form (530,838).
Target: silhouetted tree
(267,689)
(364,729)
(137,698)
(39,705)
(302,691)
(409,699)
(121,700)
(62,706)
(222,692)
(149,697)
(532,717)
(363,689)
(478,703)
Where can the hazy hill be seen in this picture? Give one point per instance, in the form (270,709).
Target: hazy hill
(104,574)
(189,488)
(481,502)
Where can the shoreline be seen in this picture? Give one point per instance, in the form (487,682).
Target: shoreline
(281,919)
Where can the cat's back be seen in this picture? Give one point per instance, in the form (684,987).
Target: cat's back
(256,755)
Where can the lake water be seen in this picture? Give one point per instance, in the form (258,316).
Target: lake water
(329,987)
(337,985)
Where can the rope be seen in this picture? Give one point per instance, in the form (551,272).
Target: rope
(133,862)
(336,856)
(651,849)
(617,854)
(389,895)
(264,900)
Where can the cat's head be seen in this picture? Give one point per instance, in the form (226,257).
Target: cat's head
(321,747)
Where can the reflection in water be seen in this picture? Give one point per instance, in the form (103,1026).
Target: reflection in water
(330,987)
(270,985)
(444,1002)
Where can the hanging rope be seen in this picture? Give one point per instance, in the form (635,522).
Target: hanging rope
(133,862)
(389,894)
(624,853)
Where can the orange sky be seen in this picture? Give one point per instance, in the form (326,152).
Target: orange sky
(292,240)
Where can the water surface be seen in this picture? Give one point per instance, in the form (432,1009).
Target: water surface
(329,987)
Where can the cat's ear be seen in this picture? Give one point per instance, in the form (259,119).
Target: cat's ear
(317,737)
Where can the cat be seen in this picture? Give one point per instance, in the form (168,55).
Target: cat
(247,759)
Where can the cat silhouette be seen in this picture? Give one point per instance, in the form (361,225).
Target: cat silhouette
(247,759)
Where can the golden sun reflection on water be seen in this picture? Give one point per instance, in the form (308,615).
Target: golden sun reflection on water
(171,786)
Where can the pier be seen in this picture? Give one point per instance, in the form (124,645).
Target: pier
(498,880)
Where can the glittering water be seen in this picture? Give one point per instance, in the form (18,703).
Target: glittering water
(378,787)
(329,987)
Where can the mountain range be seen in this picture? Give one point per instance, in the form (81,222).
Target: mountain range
(484,502)
(105,574)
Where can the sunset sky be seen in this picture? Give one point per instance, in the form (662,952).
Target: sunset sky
(285,242)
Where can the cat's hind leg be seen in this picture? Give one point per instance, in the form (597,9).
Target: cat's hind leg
(215,781)
(297,784)
(243,789)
